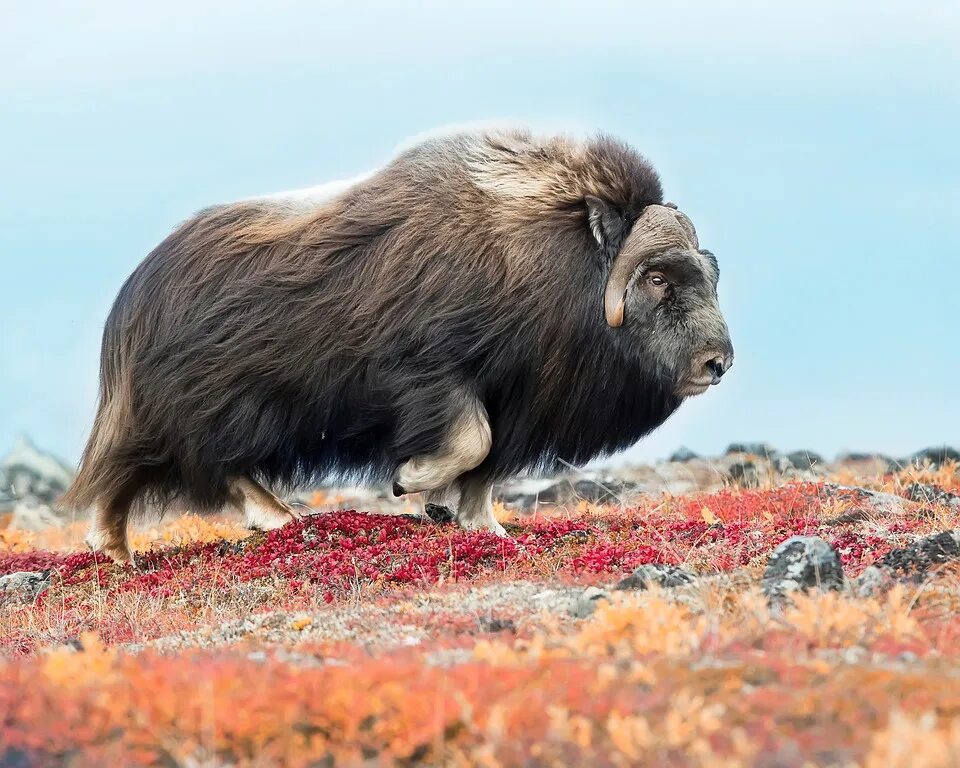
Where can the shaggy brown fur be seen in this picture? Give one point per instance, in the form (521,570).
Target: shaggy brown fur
(287,344)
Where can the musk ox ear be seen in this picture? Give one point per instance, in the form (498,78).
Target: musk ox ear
(607,223)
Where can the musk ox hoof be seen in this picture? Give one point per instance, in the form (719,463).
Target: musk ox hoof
(119,556)
(439,513)
(262,520)
(98,541)
(490,526)
(122,557)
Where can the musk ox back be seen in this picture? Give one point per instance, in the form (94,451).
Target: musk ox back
(485,304)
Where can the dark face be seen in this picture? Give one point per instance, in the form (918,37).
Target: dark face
(673,314)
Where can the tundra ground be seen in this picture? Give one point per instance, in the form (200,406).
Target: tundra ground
(348,638)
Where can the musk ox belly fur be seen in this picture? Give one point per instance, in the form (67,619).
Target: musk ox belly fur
(292,342)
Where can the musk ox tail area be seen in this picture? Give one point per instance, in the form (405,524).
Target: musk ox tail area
(110,460)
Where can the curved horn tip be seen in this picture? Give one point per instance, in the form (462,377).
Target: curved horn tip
(615,315)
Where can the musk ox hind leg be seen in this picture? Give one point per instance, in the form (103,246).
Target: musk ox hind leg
(466,444)
(108,527)
(262,510)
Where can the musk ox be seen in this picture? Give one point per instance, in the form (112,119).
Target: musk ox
(487,303)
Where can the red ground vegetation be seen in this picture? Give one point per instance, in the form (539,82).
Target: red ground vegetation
(376,640)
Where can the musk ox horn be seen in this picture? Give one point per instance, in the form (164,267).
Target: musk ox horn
(659,227)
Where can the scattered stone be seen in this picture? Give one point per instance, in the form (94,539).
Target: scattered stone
(496,624)
(528,493)
(877,502)
(931,494)
(11,757)
(586,604)
(936,456)
(31,476)
(745,473)
(666,576)
(683,455)
(801,563)
(853,516)
(604,490)
(914,561)
(33,516)
(859,456)
(872,582)
(804,460)
(24,586)
(557,492)
(763,450)
(910,564)
(575,535)
(781,465)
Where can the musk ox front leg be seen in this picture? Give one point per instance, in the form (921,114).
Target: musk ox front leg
(472,500)
(443,476)
(476,506)
(465,445)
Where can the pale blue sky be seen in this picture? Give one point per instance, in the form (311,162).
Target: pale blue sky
(815,148)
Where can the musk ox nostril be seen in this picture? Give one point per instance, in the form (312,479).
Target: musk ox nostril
(716,367)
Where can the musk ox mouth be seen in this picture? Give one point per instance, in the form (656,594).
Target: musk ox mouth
(694,388)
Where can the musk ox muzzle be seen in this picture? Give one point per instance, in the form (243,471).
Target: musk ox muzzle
(485,304)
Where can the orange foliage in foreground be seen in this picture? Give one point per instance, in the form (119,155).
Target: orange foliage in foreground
(646,680)
(356,669)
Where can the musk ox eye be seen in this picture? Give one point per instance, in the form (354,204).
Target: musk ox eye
(657,280)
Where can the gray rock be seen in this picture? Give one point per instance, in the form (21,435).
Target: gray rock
(781,465)
(872,582)
(745,473)
(496,624)
(586,604)
(23,586)
(558,492)
(763,450)
(801,563)
(604,489)
(850,456)
(596,488)
(877,502)
(931,494)
(30,482)
(913,562)
(683,455)
(936,456)
(31,475)
(648,575)
(527,493)
(804,460)
(33,516)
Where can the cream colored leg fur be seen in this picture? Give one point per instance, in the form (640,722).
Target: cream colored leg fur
(438,475)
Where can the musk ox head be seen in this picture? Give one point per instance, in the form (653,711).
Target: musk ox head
(661,293)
